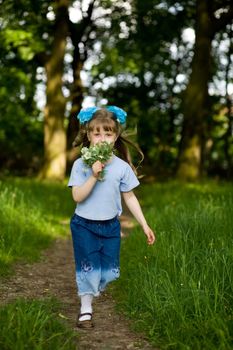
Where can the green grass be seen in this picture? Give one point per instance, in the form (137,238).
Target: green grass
(180,291)
(34,325)
(32,215)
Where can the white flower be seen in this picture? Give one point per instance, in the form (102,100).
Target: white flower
(102,151)
(87,155)
(84,149)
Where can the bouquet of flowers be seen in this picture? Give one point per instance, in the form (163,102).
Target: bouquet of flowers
(102,151)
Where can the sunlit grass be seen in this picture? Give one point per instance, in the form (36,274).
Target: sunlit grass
(32,215)
(181,290)
(34,325)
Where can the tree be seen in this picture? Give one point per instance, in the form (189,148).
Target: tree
(21,135)
(54,128)
(211,17)
(39,41)
(80,35)
(137,57)
(47,24)
(142,58)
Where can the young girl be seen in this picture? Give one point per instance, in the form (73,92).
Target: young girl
(95,225)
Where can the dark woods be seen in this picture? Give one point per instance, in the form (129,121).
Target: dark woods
(168,63)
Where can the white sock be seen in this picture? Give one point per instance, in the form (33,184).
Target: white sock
(86,306)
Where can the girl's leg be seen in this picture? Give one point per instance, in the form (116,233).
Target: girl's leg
(87,261)
(110,253)
(87,258)
(86,307)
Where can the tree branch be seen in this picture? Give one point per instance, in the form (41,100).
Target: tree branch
(77,30)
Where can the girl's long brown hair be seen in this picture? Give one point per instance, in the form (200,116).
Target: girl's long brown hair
(109,123)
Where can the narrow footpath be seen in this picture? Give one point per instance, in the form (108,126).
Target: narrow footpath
(53,276)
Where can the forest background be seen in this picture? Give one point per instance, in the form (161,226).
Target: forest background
(167,63)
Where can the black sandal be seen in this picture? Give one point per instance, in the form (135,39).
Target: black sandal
(86,324)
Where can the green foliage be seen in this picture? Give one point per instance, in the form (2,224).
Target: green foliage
(143,63)
(34,325)
(146,65)
(21,136)
(180,290)
(220,153)
(32,215)
(21,40)
(139,61)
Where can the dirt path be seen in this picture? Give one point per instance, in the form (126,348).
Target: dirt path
(54,276)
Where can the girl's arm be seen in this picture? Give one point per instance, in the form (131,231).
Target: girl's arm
(135,208)
(80,193)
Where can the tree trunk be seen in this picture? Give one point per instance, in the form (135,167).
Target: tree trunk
(79,34)
(77,99)
(229,113)
(54,129)
(195,104)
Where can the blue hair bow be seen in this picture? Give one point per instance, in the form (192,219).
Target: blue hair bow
(119,113)
(86,114)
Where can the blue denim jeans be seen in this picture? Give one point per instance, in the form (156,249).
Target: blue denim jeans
(96,250)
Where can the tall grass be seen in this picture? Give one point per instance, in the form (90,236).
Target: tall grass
(180,291)
(32,215)
(34,325)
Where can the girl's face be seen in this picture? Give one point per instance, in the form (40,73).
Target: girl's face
(99,134)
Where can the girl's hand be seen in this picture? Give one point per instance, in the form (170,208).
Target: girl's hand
(97,167)
(150,235)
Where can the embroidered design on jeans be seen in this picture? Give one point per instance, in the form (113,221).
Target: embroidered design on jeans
(86,267)
(116,270)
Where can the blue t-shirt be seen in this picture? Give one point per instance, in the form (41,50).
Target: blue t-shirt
(104,201)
